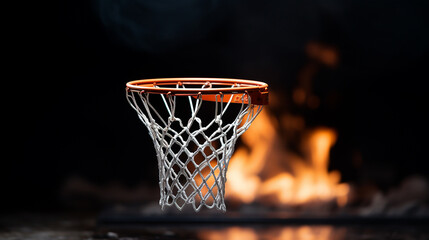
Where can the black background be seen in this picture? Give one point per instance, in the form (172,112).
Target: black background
(66,112)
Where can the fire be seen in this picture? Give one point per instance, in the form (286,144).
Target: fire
(245,166)
(267,172)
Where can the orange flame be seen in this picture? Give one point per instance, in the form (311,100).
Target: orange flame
(267,172)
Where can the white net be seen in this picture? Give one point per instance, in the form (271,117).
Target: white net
(194,140)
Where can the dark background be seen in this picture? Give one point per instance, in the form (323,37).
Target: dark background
(67,114)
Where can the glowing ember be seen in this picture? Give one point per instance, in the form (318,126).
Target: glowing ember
(265,171)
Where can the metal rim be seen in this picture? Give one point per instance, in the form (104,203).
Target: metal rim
(150,85)
(256,89)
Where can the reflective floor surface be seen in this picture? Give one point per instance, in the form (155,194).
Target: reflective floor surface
(43,226)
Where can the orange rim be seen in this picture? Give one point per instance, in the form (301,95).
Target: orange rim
(240,93)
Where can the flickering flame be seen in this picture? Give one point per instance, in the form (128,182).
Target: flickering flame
(265,171)
(244,166)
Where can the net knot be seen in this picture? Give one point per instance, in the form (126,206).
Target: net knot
(207,84)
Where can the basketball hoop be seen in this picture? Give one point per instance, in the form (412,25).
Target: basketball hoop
(194,147)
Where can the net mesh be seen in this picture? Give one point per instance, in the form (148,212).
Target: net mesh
(194,141)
